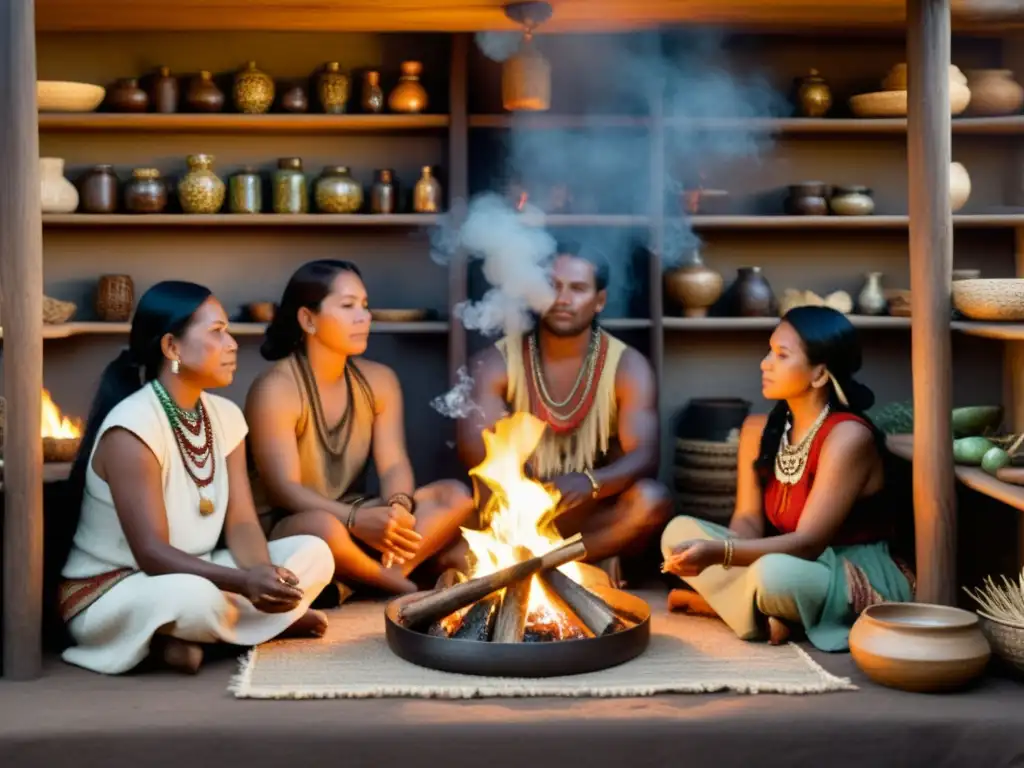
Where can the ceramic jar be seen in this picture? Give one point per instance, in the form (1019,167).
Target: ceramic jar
(97,190)
(919,647)
(373,95)
(409,95)
(254,90)
(245,192)
(125,95)
(382,196)
(851,201)
(694,286)
(337,192)
(163,92)
(294,99)
(959,186)
(201,190)
(753,295)
(203,95)
(332,88)
(994,92)
(814,95)
(57,194)
(807,199)
(290,194)
(426,195)
(146,192)
(871,299)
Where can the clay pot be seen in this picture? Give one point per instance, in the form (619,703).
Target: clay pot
(409,95)
(290,192)
(871,300)
(426,194)
(373,96)
(200,190)
(294,99)
(959,186)
(337,192)
(97,189)
(245,192)
(253,91)
(814,95)
(333,89)
(57,194)
(203,95)
(694,285)
(994,92)
(752,295)
(125,95)
(163,92)
(919,647)
(851,201)
(807,199)
(146,192)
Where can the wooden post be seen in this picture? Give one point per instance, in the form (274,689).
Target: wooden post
(931,263)
(21,312)
(458,196)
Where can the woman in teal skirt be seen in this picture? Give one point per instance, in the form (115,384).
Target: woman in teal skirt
(808,544)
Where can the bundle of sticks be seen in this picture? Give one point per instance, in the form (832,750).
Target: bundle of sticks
(498,603)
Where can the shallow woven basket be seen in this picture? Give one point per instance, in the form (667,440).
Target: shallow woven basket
(990,298)
(705,454)
(60,449)
(115,297)
(56,311)
(1007,640)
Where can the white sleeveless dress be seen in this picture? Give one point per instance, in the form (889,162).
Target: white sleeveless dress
(114,632)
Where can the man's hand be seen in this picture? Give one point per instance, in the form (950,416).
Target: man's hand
(573,489)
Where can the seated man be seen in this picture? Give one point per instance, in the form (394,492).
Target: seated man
(597,396)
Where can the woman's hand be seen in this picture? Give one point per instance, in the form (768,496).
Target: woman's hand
(272,589)
(388,530)
(691,557)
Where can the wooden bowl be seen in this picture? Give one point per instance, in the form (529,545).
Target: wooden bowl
(60,449)
(398,315)
(919,647)
(993,299)
(894,103)
(261,311)
(61,96)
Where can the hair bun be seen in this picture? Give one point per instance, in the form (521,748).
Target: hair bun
(859,396)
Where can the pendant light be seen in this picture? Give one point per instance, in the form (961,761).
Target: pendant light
(526,76)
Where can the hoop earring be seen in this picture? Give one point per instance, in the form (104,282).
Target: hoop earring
(175,367)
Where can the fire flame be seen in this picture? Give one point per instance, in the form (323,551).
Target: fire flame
(521,510)
(54,424)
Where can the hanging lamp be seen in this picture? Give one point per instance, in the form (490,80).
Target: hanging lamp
(526,76)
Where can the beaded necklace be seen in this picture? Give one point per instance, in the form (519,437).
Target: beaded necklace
(565,415)
(791,460)
(194,436)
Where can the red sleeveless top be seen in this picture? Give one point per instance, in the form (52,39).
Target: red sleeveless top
(868,521)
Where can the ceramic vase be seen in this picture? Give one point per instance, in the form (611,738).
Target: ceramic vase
(409,95)
(163,92)
(146,192)
(254,90)
(373,96)
(337,192)
(333,88)
(994,92)
(290,193)
(871,299)
(959,186)
(200,190)
(203,95)
(694,285)
(426,194)
(57,194)
(753,295)
(97,189)
(814,95)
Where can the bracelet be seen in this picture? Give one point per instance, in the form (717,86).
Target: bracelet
(727,560)
(356,504)
(403,500)
(593,483)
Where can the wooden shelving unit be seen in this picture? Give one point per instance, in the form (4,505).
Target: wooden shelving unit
(298,125)
(405,220)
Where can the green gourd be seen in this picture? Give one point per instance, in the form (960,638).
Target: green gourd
(976,419)
(971,450)
(994,460)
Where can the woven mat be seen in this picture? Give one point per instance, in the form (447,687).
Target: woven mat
(686,654)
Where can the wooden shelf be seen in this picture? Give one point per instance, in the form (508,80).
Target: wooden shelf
(594,220)
(866,322)
(973,477)
(240,220)
(626,323)
(231,123)
(547,121)
(966,221)
(1003,331)
(89,328)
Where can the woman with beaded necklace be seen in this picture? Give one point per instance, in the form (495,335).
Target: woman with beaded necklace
(808,544)
(160,475)
(319,415)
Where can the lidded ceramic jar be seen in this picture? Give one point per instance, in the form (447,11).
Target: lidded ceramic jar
(337,192)
(814,95)
(409,95)
(290,193)
(201,190)
(851,201)
(254,90)
(57,194)
(333,89)
(146,192)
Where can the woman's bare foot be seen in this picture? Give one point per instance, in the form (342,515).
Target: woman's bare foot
(180,655)
(688,601)
(778,631)
(311,624)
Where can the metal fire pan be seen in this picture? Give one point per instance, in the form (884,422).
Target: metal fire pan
(545,659)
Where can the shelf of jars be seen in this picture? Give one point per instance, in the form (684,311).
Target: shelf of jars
(866,322)
(100,328)
(241,220)
(286,124)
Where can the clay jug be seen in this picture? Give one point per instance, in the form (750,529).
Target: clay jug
(57,194)
(753,295)
(203,94)
(254,90)
(694,285)
(409,95)
(871,300)
(200,190)
(994,92)
(959,186)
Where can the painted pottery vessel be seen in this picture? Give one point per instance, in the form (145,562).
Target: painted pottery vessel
(203,95)
(409,95)
(337,192)
(201,190)
(333,89)
(146,192)
(695,286)
(57,194)
(290,193)
(254,90)
(426,194)
(97,190)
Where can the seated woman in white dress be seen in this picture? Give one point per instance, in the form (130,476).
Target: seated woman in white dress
(160,475)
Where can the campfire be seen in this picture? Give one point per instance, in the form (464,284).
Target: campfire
(61,435)
(525,587)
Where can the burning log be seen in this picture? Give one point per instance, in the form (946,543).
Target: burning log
(449,578)
(478,623)
(440,603)
(594,612)
(514,605)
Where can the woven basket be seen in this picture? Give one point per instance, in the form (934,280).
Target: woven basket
(115,297)
(717,509)
(56,311)
(1007,640)
(990,299)
(701,480)
(706,454)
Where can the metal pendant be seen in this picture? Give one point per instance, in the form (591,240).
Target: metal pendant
(206,507)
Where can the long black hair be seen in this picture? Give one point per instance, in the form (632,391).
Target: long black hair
(308,287)
(828,338)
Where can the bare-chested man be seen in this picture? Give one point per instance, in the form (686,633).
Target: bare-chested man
(598,397)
